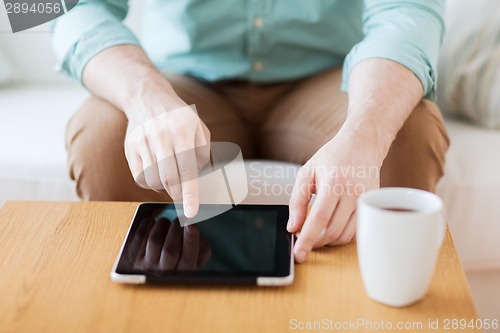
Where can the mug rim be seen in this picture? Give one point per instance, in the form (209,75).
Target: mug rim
(363,199)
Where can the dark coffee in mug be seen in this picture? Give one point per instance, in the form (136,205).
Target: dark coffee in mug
(403,210)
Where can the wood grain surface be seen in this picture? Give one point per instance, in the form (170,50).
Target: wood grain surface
(55,261)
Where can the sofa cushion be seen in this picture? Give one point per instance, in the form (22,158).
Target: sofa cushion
(32,155)
(469,66)
(470,190)
(5,68)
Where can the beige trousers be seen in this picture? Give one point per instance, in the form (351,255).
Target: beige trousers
(286,121)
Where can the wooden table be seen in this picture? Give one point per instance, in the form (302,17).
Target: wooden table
(55,260)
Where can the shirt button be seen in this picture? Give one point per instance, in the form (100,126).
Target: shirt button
(258,66)
(258,22)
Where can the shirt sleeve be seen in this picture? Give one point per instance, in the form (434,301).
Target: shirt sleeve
(409,32)
(89,28)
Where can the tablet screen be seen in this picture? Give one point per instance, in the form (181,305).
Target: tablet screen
(246,240)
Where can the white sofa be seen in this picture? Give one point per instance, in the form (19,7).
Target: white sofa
(35,109)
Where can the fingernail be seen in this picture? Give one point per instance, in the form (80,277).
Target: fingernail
(300,256)
(289,226)
(189,211)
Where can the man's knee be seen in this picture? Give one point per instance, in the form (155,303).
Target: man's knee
(94,141)
(417,155)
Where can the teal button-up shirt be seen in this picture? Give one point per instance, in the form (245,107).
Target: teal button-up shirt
(260,40)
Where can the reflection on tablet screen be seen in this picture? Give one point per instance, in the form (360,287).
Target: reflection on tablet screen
(235,241)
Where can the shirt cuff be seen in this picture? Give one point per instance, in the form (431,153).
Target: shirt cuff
(401,52)
(104,35)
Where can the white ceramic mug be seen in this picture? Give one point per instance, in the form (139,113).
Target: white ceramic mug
(397,250)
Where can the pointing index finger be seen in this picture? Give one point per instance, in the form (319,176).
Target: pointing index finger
(188,171)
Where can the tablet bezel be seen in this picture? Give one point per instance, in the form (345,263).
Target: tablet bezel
(284,277)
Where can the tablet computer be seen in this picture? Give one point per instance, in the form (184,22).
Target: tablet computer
(243,244)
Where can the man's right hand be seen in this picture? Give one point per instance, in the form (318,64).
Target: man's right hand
(166,142)
(165,147)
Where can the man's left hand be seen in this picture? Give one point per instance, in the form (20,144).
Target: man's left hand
(338,173)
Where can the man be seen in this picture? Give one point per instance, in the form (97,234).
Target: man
(264,74)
